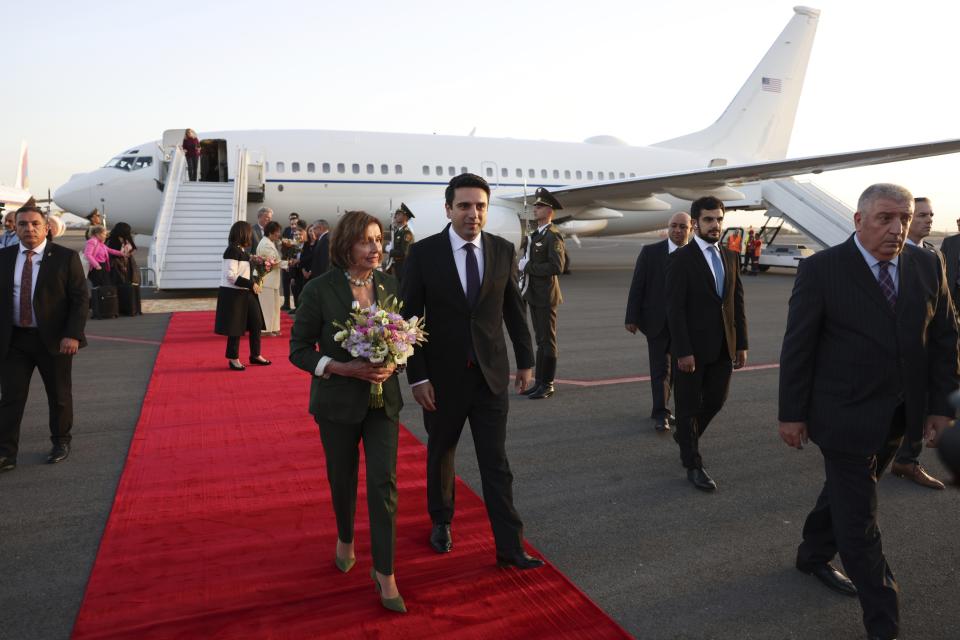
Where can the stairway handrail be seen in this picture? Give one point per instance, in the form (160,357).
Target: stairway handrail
(240,183)
(161,230)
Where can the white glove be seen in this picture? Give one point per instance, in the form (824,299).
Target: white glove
(523,263)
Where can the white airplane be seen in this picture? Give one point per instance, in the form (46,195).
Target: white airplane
(606,186)
(11,198)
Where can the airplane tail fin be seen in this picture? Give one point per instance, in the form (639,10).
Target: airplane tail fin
(758,123)
(23,174)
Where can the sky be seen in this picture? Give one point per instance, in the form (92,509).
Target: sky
(99,77)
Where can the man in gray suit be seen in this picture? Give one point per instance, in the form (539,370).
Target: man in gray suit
(264,216)
(869,355)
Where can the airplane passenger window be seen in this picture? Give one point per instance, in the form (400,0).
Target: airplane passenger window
(622,175)
(281,167)
(566,174)
(489,172)
(463,169)
(579,174)
(295,167)
(633,175)
(519,173)
(341,168)
(439,170)
(589,175)
(311,167)
(504,172)
(266,167)
(355,167)
(384,169)
(143,161)
(398,169)
(532,173)
(543,173)
(451,171)
(369,169)
(426,170)
(610,175)
(556,174)
(326,167)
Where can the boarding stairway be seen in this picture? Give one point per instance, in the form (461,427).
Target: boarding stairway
(809,209)
(191,231)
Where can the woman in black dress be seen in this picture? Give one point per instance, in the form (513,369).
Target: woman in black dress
(238,309)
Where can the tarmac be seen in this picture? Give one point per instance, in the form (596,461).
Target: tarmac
(603,496)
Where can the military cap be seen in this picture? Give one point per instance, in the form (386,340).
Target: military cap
(405,210)
(545,198)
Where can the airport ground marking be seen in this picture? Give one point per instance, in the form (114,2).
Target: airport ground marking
(130,340)
(609,381)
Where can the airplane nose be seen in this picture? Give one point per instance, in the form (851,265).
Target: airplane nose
(74,197)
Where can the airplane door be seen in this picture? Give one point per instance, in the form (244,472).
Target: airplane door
(491,173)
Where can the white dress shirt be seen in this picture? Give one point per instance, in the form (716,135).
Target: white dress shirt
(671,247)
(18,273)
(460,255)
(708,253)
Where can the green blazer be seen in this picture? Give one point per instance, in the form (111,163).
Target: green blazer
(324,299)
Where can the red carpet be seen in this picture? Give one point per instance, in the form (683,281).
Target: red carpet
(222,526)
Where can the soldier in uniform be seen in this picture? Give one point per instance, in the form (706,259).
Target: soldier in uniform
(402,239)
(543,258)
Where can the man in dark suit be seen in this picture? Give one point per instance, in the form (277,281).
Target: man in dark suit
(950,248)
(869,355)
(43,309)
(462,281)
(264,216)
(540,267)
(906,464)
(708,331)
(647,311)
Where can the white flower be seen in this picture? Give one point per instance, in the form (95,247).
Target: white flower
(340,336)
(355,305)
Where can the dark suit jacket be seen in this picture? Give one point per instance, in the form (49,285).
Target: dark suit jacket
(700,320)
(547,257)
(951,258)
(431,285)
(849,359)
(647,300)
(325,299)
(61,301)
(320,260)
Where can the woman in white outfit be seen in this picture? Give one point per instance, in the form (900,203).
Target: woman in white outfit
(270,296)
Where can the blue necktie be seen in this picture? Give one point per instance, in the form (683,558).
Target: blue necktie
(717,269)
(886,284)
(473,275)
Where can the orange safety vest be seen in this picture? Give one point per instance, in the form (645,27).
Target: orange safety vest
(733,243)
(757,244)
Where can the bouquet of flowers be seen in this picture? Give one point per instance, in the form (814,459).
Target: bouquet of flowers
(289,249)
(380,335)
(259,267)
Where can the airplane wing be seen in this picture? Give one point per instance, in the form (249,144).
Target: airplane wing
(723,179)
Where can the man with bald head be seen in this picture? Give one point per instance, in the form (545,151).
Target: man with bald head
(647,312)
(869,357)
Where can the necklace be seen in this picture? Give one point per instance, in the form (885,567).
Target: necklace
(359,283)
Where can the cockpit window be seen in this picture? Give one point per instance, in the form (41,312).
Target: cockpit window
(121,162)
(142,161)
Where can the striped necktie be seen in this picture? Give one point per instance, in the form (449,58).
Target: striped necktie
(886,284)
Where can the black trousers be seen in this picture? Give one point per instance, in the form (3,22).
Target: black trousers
(192,168)
(544,320)
(285,281)
(341,446)
(658,350)
(909,452)
(698,396)
(233,346)
(27,352)
(844,520)
(458,400)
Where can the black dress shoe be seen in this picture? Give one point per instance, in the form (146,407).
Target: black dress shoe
(7,464)
(831,578)
(235,367)
(58,453)
(701,480)
(531,389)
(440,538)
(520,560)
(260,361)
(544,391)
(661,424)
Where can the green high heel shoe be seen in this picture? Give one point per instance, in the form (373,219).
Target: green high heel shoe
(393,604)
(344,565)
